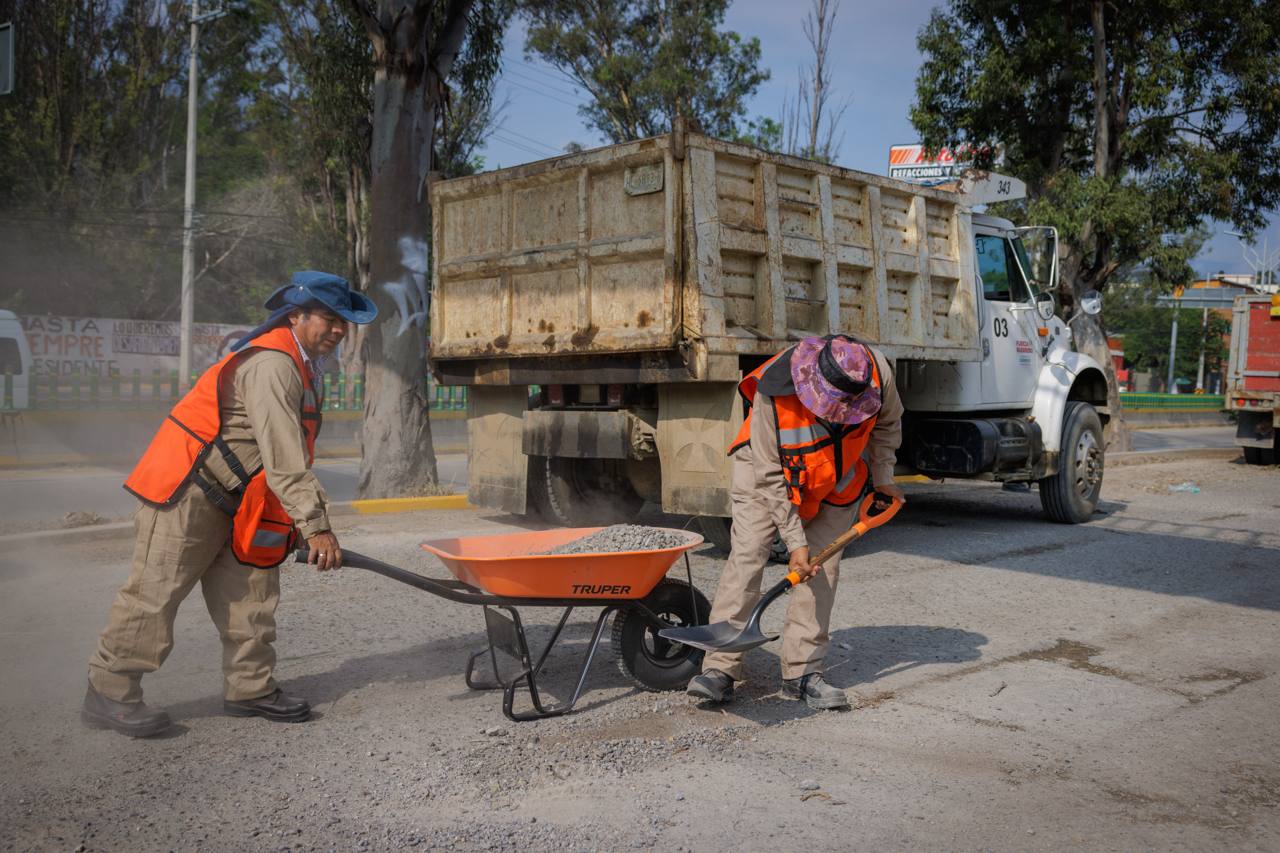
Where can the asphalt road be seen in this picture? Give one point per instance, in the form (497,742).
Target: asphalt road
(31,499)
(1019,686)
(1184,438)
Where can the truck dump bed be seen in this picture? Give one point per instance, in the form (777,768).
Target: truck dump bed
(684,253)
(1254,365)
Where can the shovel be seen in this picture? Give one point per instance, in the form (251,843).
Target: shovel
(876,509)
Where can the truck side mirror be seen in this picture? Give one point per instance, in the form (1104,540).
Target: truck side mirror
(1045,306)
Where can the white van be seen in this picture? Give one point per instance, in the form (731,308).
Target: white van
(15,360)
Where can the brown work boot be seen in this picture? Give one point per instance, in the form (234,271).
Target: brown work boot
(712,686)
(816,692)
(276,706)
(129,718)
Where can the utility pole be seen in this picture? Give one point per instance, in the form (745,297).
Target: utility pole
(1173,348)
(189,204)
(1204,342)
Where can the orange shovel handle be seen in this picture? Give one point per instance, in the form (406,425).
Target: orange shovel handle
(867,520)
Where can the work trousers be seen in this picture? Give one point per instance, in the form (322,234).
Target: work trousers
(806,632)
(175,547)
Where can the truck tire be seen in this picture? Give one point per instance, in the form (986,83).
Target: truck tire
(1259,456)
(1071,495)
(582,492)
(647,660)
(718,531)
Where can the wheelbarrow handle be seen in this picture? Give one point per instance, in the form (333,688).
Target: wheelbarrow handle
(355,560)
(872,514)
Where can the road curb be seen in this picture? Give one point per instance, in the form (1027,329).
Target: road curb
(381,505)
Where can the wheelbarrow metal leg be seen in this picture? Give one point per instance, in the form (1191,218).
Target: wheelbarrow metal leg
(529,678)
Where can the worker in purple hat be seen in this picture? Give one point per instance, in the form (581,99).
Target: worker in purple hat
(823,425)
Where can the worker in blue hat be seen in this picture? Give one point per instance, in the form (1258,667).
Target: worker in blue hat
(227,493)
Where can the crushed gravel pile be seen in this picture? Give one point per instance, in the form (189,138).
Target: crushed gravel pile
(622,537)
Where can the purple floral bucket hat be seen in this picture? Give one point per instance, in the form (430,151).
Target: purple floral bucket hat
(832,376)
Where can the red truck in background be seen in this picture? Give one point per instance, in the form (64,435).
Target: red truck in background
(1253,380)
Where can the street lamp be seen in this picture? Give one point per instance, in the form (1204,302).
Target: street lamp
(1261,264)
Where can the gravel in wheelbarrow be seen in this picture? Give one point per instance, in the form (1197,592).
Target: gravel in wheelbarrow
(622,538)
(531,564)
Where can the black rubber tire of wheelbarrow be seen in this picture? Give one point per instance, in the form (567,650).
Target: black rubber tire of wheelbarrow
(632,655)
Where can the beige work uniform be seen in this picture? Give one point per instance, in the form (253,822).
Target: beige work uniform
(762,510)
(189,541)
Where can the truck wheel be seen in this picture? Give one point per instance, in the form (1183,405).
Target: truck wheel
(1259,456)
(648,661)
(718,531)
(583,492)
(1071,495)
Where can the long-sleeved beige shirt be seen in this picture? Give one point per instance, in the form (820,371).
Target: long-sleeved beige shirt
(262,425)
(766,464)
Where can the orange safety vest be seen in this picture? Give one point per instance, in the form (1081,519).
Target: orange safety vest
(262,534)
(821,462)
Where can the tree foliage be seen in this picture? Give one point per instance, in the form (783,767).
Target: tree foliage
(812,120)
(1148,329)
(92,148)
(645,62)
(1131,123)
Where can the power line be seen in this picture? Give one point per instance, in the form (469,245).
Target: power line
(556,74)
(543,94)
(516,144)
(535,81)
(520,134)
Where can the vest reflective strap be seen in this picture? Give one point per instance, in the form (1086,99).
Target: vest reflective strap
(800,435)
(269,539)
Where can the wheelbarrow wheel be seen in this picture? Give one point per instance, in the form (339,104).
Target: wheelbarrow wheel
(647,660)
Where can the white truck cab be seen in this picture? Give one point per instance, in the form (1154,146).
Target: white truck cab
(1032,409)
(15,364)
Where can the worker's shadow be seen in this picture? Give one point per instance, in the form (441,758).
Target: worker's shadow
(862,656)
(858,659)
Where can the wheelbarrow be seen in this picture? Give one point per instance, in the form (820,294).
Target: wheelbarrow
(506,572)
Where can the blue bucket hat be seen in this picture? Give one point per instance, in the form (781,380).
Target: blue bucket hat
(309,288)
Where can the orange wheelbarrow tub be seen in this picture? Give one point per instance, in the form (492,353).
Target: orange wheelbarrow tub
(505,573)
(512,565)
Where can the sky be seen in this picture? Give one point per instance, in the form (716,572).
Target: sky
(874,63)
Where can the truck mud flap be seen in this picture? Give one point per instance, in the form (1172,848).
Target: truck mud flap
(497,469)
(696,422)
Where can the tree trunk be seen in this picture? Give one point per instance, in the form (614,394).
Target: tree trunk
(399,459)
(357,265)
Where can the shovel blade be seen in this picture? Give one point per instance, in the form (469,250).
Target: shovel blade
(720,637)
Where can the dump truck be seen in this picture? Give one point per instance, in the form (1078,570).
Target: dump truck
(1253,377)
(602,307)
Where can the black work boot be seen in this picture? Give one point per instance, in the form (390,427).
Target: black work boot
(815,692)
(712,685)
(129,718)
(274,706)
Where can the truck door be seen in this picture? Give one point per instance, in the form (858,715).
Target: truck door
(1010,361)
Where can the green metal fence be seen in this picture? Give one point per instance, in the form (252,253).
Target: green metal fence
(51,392)
(1173,402)
(346,393)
